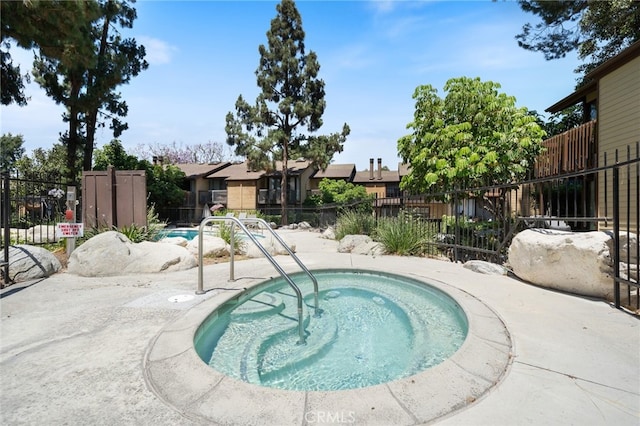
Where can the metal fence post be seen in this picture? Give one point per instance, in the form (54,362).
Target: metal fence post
(616,237)
(6,212)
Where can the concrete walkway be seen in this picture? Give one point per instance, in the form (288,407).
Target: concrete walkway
(79,350)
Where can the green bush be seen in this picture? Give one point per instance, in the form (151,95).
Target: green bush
(405,235)
(354,223)
(134,232)
(224,232)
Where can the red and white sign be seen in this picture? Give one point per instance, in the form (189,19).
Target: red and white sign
(69,230)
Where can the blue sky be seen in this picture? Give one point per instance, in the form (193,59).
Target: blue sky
(373,54)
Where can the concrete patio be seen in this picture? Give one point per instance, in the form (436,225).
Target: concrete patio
(77,350)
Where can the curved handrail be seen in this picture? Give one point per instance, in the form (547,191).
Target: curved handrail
(292,254)
(270,258)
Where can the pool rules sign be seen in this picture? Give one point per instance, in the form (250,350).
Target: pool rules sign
(69,230)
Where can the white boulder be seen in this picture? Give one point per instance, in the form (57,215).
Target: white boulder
(329,233)
(112,253)
(270,244)
(211,246)
(31,262)
(359,244)
(578,263)
(487,268)
(178,241)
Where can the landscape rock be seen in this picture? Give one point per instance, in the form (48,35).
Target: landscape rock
(370,248)
(487,268)
(270,244)
(304,225)
(578,263)
(329,233)
(349,243)
(178,241)
(41,234)
(211,246)
(112,253)
(30,262)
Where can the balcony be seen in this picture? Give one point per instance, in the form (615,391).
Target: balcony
(214,196)
(272,196)
(571,151)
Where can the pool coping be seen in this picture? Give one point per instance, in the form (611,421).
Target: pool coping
(176,374)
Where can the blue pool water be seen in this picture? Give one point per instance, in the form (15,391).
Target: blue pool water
(374,328)
(191,233)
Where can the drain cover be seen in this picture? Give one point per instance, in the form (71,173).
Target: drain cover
(181,298)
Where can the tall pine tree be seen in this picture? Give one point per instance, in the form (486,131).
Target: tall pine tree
(291,101)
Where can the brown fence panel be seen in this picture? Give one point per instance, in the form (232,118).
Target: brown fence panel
(131,197)
(114,198)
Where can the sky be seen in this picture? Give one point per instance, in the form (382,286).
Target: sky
(373,54)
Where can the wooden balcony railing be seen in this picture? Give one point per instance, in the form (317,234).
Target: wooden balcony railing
(571,151)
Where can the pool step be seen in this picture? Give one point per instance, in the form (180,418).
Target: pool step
(260,304)
(279,355)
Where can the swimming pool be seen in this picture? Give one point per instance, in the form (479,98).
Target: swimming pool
(191,233)
(374,328)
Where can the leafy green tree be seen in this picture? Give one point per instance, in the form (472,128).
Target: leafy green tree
(561,121)
(11,150)
(56,28)
(43,164)
(291,99)
(164,185)
(474,136)
(340,192)
(81,59)
(114,154)
(599,30)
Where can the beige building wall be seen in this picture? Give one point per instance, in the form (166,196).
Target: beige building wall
(241,195)
(305,183)
(619,127)
(379,189)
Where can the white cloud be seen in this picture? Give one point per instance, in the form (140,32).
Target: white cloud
(158,51)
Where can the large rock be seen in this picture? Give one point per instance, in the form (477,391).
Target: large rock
(211,246)
(359,244)
(270,244)
(41,234)
(112,253)
(487,268)
(579,263)
(31,262)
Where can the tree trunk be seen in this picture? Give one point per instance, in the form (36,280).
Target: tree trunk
(73,138)
(95,99)
(284,187)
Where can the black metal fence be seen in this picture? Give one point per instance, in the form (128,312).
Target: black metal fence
(480,222)
(30,206)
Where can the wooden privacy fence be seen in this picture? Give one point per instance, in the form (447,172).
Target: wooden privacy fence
(114,198)
(571,151)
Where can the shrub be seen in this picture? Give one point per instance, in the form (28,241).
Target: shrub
(405,234)
(354,223)
(224,232)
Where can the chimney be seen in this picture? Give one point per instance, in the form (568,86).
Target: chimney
(370,168)
(379,168)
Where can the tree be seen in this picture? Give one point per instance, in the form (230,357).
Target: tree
(11,150)
(174,153)
(291,99)
(474,136)
(43,164)
(599,30)
(339,191)
(113,154)
(80,69)
(54,27)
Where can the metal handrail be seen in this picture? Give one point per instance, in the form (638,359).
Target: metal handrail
(292,254)
(270,258)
